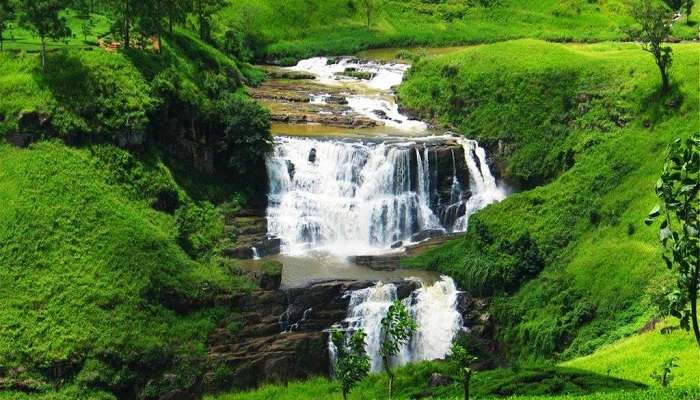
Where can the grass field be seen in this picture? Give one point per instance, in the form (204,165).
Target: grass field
(298,29)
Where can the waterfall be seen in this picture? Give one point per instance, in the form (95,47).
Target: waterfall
(483,184)
(360,197)
(434,308)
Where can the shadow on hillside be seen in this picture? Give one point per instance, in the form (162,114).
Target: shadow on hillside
(659,104)
(549,381)
(527,381)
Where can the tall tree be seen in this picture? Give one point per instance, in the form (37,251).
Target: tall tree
(653,27)
(463,360)
(204,9)
(352,362)
(176,12)
(679,213)
(688,9)
(397,328)
(7,11)
(368,8)
(43,17)
(150,18)
(125,10)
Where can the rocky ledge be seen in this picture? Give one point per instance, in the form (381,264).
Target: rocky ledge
(249,227)
(290,101)
(280,335)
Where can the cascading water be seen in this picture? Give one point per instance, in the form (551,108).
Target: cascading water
(350,197)
(432,307)
(354,197)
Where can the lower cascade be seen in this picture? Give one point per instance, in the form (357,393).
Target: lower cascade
(434,308)
(353,197)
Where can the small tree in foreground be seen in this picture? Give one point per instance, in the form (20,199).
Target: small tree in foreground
(679,213)
(653,27)
(352,362)
(397,328)
(664,373)
(463,360)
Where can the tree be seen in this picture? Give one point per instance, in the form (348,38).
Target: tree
(87,27)
(43,18)
(124,10)
(176,11)
(150,17)
(352,362)
(654,25)
(6,14)
(368,7)
(204,9)
(463,360)
(397,328)
(664,374)
(679,213)
(688,9)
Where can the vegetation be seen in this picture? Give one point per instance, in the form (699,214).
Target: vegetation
(679,231)
(463,361)
(586,124)
(654,22)
(397,328)
(351,359)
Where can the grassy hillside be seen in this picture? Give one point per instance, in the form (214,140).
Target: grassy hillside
(586,124)
(297,29)
(110,280)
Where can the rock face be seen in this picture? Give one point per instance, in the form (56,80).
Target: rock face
(281,335)
(252,240)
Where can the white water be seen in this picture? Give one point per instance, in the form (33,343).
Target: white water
(361,197)
(378,103)
(432,307)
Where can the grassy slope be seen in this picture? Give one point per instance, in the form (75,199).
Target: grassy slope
(585,226)
(301,28)
(96,291)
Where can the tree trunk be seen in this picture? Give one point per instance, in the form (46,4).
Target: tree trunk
(126,24)
(1,41)
(345,395)
(466,389)
(43,54)
(390,373)
(170,25)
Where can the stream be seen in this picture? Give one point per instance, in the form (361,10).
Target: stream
(362,179)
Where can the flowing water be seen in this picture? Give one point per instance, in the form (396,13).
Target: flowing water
(338,197)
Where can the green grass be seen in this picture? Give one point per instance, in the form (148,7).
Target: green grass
(298,29)
(637,357)
(93,281)
(554,108)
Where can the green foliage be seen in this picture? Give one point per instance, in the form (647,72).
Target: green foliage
(654,22)
(589,289)
(663,375)
(352,362)
(679,230)
(199,226)
(397,328)
(463,361)
(93,283)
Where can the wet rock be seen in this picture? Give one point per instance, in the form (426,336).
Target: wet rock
(292,75)
(396,245)
(427,234)
(386,262)
(290,169)
(436,380)
(312,156)
(380,113)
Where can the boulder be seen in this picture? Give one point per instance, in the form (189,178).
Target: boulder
(436,380)
(427,234)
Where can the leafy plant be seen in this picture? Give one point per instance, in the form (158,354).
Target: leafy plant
(654,22)
(679,213)
(397,328)
(663,374)
(352,362)
(463,360)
